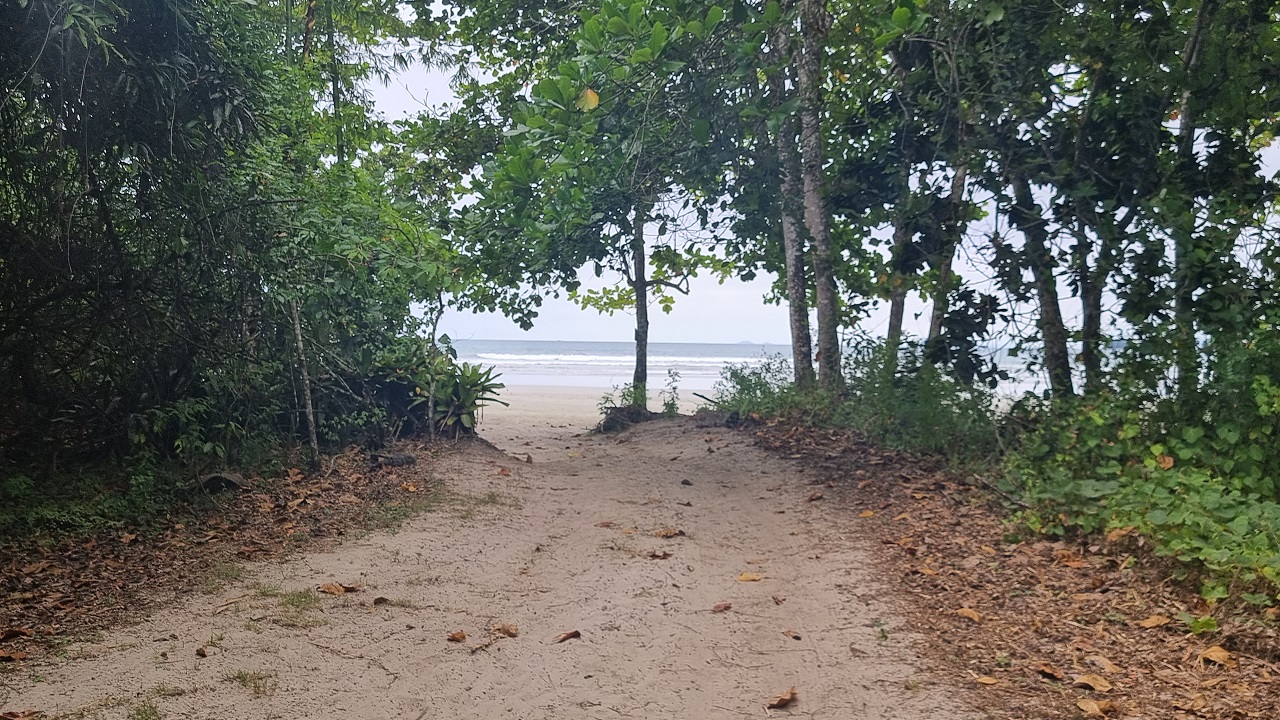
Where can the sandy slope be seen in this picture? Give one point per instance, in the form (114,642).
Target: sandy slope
(526,548)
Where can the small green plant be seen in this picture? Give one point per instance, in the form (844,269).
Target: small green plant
(257,682)
(1198,625)
(301,600)
(146,711)
(670,394)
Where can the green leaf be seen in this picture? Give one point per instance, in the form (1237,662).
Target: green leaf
(658,39)
(902,18)
(701,131)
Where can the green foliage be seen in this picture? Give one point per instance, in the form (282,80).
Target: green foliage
(906,404)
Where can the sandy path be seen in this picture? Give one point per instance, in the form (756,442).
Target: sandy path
(525,548)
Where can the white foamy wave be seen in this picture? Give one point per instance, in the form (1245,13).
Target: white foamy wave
(510,359)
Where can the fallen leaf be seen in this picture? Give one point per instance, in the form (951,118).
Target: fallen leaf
(381,600)
(332,588)
(202,652)
(1106,665)
(667,533)
(866,513)
(1154,621)
(505,630)
(568,636)
(504,471)
(36,568)
(128,538)
(457,636)
(817,495)
(659,555)
(409,487)
(1216,654)
(12,655)
(1165,462)
(1117,533)
(721,607)
(11,633)
(970,613)
(1050,671)
(778,599)
(20,715)
(791,634)
(782,700)
(1094,708)
(606,524)
(749,577)
(1093,682)
(986,680)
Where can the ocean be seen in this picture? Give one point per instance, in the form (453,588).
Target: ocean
(606,365)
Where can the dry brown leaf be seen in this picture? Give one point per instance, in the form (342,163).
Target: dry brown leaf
(817,495)
(1095,708)
(128,538)
(12,655)
(457,636)
(21,715)
(749,577)
(202,651)
(986,680)
(1154,621)
(505,630)
(667,533)
(791,634)
(333,588)
(36,568)
(606,524)
(970,613)
(778,599)
(659,555)
(1050,671)
(1118,533)
(568,636)
(1216,654)
(504,471)
(1165,462)
(1102,662)
(1093,682)
(409,487)
(721,607)
(783,700)
(866,513)
(381,600)
(11,633)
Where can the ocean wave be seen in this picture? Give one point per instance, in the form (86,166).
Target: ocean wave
(609,360)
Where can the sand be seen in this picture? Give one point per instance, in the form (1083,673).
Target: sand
(567,542)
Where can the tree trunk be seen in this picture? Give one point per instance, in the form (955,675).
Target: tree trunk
(308,30)
(952,229)
(334,77)
(1029,219)
(813,16)
(1186,351)
(314,459)
(640,285)
(793,242)
(902,227)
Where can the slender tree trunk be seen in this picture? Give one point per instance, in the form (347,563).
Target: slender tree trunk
(335,80)
(288,31)
(640,285)
(793,241)
(308,30)
(813,18)
(314,458)
(1029,219)
(1185,349)
(952,229)
(902,226)
(1091,329)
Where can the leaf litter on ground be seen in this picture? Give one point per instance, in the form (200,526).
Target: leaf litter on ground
(1098,607)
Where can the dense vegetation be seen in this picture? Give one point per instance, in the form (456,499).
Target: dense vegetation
(211,238)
